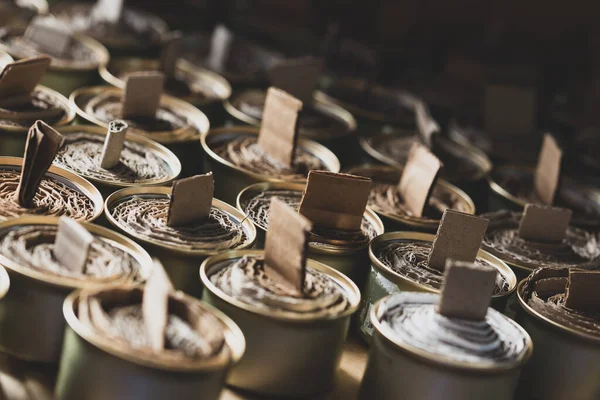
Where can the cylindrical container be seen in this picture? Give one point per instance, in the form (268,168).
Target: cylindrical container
(230,179)
(383,280)
(34,302)
(84,159)
(321,121)
(196,85)
(566,360)
(13,131)
(61,193)
(465,166)
(398,368)
(79,67)
(301,352)
(245,65)
(95,367)
(385,181)
(350,259)
(579,248)
(178,125)
(136,32)
(180,255)
(511,188)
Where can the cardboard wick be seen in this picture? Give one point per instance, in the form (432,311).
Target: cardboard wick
(285,246)
(72,244)
(278,135)
(113,144)
(335,201)
(467,290)
(220,48)
(547,172)
(418,178)
(109,11)
(544,224)
(141,96)
(50,34)
(297,77)
(19,79)
(582,291)
(41,147)
(191,200)
(171,50)
(426,125)
(458,237)
(155,305)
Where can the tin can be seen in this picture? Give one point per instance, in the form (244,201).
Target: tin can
(396,369)
(183,142)
(13,135)
(65,177)
(383,281)
(33,303)
(349,261)
(231,179)
(565,363)
(336,139)
(181,264)
(65,76)
(95,367)
(208,89)
(396,221)
(473,182)
(301,354)
(106,188)
(569,189)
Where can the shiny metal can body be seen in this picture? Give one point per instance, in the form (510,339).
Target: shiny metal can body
(285,356)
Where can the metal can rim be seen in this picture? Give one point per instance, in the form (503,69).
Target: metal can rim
(64,282)
(165,154)
(396,278)
(247,225)
(350,288)
(199,120)
(233,336)
(317,149)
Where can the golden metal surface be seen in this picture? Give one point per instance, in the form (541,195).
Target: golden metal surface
(34,301)
(197,76)
(302,352)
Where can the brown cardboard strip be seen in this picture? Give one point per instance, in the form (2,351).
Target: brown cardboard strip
(547,172)
(191,200)
(458,237)
(155,305)
(278,134)
(551,286)
(426,125)
(171,50)
(49,34)
(335,201)
(582,291)
(467,290)
(544,224)
(220,48)
(141,96)
(42,145)
(297,77)
(108,11)
(113,145)
(418,178)
(19,79)
(285,246)
(72,244)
